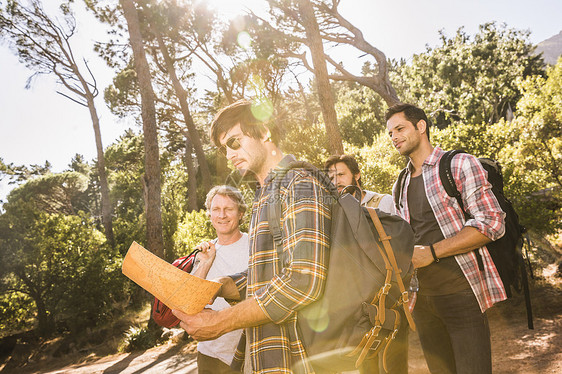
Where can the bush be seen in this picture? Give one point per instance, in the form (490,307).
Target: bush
(192,230)
(379,163)
(64,259)
(139,338)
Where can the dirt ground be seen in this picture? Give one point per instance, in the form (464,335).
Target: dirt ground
(515,348)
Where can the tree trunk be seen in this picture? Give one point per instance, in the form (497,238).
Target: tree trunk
(155,241)
(106,208)
(191,181)
(326,99)
(45,323)
(182,98)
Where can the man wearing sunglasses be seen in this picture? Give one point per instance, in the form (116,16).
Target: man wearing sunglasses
(273,290)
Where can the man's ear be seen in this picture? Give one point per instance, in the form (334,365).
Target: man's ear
(267,136)
(357,177)
(422,126)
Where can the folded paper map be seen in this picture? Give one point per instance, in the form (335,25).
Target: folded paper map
(175,288)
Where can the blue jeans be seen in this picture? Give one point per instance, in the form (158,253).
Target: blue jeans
(454,333)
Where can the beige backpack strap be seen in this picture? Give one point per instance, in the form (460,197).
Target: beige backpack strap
(375,200)
(385,239)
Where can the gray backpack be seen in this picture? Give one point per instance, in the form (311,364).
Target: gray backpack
(369,263)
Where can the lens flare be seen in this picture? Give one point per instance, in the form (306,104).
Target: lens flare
(262,108)
(318,320)
(244,40)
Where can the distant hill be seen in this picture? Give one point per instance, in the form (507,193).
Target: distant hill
(551,48)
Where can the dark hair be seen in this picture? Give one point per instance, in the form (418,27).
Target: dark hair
(240,112)
(348,160)
(412,113)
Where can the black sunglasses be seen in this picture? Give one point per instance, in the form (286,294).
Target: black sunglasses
(232,143)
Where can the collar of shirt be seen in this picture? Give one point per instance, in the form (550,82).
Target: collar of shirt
(283,164)
(431,160)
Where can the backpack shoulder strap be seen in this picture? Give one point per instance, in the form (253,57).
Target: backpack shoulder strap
(274,207)
(448,182)
(399,188)
(447,179)
(375,200)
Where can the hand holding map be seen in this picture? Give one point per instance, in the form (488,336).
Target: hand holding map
(175,288)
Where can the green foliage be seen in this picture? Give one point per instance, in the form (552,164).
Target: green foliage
(537,155)
(507,143)
(124,161)
(16,308)
(194,228)
(379,163)
(139,338)
(55,193)
(122,96)
(174,204)
(360,113)
(304,133)
(481,140)
(471,80)
(540,120)
(61,263)
(306,142)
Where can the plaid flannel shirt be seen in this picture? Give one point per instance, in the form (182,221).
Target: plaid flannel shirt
(282,290)
(479,201)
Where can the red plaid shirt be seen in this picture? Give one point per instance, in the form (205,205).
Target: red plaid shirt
(480,203)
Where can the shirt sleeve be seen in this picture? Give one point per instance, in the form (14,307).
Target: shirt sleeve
(478,199)
(306,219)
(241,281)
(387,204)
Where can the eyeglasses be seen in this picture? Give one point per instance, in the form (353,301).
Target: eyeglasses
(232,143)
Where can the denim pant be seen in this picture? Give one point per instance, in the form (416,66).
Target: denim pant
(454,333)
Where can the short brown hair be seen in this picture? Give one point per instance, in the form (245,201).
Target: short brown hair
(348,160)
(412,113)
(240,112)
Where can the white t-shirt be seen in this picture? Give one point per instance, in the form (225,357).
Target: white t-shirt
(386,204)
(229,259)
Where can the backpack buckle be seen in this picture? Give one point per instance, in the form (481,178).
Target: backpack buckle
(405,297)
(386,288)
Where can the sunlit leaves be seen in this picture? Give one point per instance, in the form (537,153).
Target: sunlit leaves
(472,79)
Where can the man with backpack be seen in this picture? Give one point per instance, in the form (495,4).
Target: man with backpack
(457,279)
(343,171)
(274,288)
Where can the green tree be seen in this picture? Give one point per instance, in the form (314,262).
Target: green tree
(361,113)
(540,119)
(524,173)
(44,45)
(379,163)
(126,166)
(471,79)
(53,256)
(192,229)
(294,28)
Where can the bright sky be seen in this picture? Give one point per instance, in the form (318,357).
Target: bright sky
(38,125)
